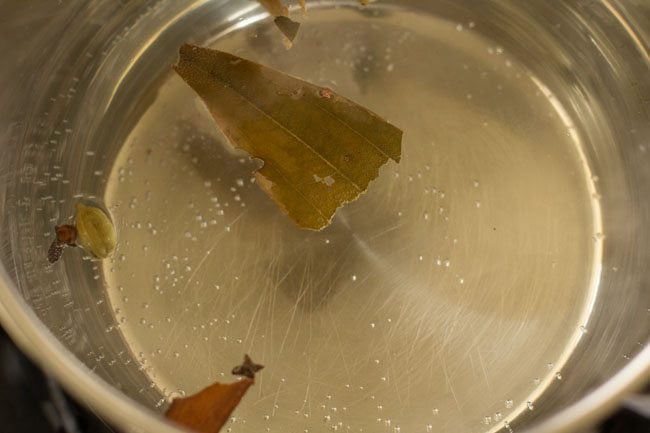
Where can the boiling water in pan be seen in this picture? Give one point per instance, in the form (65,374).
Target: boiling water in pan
(446,298)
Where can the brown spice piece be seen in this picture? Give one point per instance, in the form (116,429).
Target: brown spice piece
(55,251)
(66,235)
(247,369)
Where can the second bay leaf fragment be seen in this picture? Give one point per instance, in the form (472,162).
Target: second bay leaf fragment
(275,7)
(319,149)
(287,26)
(209,409)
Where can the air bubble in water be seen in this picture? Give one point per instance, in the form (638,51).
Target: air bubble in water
(509,404)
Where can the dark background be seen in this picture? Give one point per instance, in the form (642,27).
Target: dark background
(32,402)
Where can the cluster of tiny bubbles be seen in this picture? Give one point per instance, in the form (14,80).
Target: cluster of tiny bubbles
(175,394)
(509,404)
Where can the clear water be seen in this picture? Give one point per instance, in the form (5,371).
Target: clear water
(422,307)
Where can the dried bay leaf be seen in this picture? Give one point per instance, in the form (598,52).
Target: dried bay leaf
(286,25)
(209,409)
(275,7)
(320,150)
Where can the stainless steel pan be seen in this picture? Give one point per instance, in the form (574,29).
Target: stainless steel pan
(495,280)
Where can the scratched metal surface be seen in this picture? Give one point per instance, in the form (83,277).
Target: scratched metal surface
(492,277)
